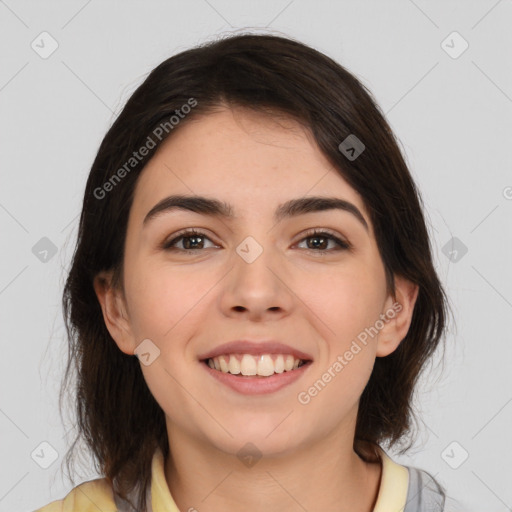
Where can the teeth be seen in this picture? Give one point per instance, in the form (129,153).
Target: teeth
(265,365)
(223,364)
(279,364)
(247,364)
(234,366)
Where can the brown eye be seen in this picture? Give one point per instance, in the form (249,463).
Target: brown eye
(191,240)
(321,240)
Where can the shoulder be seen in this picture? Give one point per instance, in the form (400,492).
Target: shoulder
(424,492)
(409,488)
(89,496)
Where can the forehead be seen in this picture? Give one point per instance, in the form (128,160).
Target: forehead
(245,158)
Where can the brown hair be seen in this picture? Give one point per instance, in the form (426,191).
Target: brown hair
(117,415)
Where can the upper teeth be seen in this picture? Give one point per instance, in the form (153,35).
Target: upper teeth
(246,364)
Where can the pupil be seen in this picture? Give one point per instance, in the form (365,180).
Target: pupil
(318,238)
(188,238)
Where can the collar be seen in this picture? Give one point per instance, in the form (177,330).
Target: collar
(394,482)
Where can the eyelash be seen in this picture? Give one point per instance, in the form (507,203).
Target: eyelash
(343,245)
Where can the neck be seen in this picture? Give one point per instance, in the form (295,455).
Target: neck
(327,475)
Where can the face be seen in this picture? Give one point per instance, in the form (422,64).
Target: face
(253,277)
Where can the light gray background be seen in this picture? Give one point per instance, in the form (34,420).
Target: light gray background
(451,115)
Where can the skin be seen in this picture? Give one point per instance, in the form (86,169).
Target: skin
(188,303)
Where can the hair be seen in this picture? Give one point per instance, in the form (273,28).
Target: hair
(117,415)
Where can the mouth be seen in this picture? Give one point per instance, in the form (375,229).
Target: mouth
(264,374)
(255,366)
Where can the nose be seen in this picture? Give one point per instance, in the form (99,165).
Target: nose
(256,286)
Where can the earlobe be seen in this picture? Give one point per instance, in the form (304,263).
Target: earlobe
(114,312)
(399,311)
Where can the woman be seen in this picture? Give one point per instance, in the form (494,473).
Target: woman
(252,297)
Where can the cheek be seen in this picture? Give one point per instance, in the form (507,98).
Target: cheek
(347,303)
(162,299)
(348,299)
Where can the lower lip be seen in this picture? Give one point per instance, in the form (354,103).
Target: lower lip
(253,385)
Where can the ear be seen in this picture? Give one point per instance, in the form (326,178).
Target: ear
(399,315)
(114,312)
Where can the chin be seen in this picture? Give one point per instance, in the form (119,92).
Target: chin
(268,436)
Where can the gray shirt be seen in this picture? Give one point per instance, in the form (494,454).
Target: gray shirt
(424,493)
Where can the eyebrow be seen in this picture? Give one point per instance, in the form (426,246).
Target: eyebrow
(216,208)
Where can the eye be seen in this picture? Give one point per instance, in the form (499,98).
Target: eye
(321,239)
(192,240)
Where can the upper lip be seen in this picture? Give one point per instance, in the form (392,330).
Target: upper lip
(254,348)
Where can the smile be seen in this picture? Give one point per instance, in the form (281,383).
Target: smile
(263,365)
(256,375)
